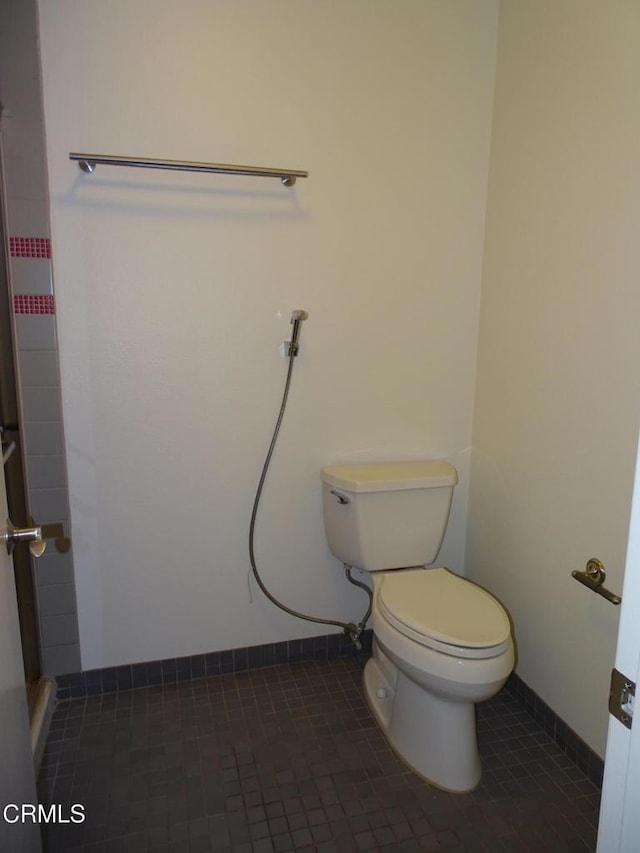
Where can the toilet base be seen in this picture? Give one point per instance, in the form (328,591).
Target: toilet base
(434,736)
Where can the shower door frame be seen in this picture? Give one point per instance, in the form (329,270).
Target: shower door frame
(10,420)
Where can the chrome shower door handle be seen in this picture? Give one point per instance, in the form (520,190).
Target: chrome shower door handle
(12,536)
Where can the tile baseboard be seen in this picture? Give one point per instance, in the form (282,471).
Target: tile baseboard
(172,670)
(572,745)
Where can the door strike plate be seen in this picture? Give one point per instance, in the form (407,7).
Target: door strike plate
(622,696)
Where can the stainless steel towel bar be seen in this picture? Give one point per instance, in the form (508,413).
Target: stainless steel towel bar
(88,162)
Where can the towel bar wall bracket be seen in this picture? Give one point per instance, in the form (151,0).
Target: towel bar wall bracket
(88,163)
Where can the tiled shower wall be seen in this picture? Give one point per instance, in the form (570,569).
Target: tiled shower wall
(25,197)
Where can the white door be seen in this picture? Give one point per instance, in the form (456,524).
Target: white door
(17,777)
(619,828)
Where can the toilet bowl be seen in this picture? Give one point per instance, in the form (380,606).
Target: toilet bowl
(440,642)
(440,645)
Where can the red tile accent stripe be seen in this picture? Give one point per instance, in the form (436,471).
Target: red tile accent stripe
(34,304)
(30,247)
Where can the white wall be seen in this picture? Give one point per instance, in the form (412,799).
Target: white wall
(174,291)
(558,398)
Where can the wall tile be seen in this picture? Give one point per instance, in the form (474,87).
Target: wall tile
(571,744)
(34,304)
(25,177)
(49,504)
(21,246)
(28,217)
(43,437)
(31,275)
(46,472)
(23,19)
(23,137)
(59,630)
(38,368)
(28,228)
(19,65)
(62,660)
(41,404)
(54,568)
(20,83)
(170,670)
(57,599)
(35,331)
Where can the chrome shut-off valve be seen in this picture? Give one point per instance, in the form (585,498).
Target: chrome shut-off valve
(291,347)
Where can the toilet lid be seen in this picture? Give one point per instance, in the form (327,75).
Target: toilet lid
(440,609)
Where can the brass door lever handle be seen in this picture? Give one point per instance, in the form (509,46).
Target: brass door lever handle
(594,577)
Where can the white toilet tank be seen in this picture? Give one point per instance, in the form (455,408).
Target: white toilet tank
(387,515)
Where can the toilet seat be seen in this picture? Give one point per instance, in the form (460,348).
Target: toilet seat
(444,612)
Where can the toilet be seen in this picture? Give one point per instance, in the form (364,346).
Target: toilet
(440,642)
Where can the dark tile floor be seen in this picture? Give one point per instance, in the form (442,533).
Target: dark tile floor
(288,758)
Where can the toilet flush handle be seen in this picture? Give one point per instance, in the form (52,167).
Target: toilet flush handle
(342,499)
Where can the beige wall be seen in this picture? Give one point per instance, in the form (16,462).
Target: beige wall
(558,395)
(174,292)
